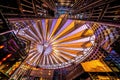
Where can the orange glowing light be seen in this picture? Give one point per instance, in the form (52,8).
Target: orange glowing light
(49,73)
(9,55)
(4,59)
(1,46)
(0,63)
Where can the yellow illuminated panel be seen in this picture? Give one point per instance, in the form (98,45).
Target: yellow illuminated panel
(70,38)
(76,45)
(56,26)
(88,32)
(47,26)
(95,66)
(103,77)
(69,51)
(89,44)
(67,29)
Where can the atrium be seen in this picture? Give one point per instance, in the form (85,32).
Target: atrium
(59,40)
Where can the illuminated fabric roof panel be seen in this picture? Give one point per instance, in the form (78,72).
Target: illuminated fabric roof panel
(95,66)
(56,43)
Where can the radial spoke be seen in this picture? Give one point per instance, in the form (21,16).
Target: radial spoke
(74,32)
(31,60)
(39,23)
(56,55)
(66,58)
(48,25)
(32,27)
(31,35)
(70,54)
(65,25)
(54,59)
(75,45)
(44,30)
(27,36)
(52,27)
(36,31)
(79,49)
(51,60)
(65,30)
(77,41)
(36,37)
(55,27)
(36,59)
(47,60)
(43,62)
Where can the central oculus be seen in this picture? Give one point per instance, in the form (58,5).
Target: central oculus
(44,49)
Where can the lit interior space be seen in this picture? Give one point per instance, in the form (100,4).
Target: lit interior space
(59,40)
